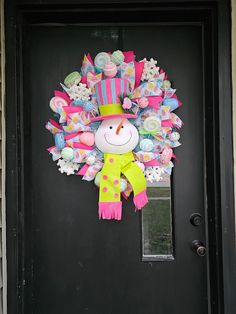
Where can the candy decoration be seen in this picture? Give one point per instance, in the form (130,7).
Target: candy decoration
(97,179)
(67,153)
(59,141)
(57,104)
(62,95)
(72,78)
(174,136)
(117,57)
(110,69)
(146,145)
(152,124)
(101,60)
(87,138)
(166,84)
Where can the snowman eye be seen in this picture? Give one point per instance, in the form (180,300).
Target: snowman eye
(110,127)
(122,127)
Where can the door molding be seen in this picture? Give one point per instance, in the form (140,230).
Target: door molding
(214,18)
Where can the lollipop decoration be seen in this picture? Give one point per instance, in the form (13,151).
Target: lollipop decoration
(146,145)
(115,126)
(101,60)
(152,124)
(117,57)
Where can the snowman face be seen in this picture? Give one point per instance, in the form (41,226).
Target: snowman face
(116,136)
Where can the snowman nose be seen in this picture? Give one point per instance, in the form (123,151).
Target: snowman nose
(119,127)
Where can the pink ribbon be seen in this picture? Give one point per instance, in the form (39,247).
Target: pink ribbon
(83,170)
(72,109)
(153,101)
(82,146)
(152,163)
(62,95)
(166,123)
(54,123)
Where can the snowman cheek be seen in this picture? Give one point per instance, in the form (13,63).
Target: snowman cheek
(108,135)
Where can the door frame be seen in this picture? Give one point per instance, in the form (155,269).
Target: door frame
(214,18)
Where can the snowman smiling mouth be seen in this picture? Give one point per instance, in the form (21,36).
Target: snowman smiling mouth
(117,144)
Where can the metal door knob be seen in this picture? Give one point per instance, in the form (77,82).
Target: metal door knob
(199,248)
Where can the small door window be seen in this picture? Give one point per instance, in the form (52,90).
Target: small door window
(157,238)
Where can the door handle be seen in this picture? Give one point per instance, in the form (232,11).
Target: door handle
(199,248)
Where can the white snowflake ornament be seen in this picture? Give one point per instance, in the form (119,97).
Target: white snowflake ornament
(153,174)
(150,70)
(67,167)
(79,92)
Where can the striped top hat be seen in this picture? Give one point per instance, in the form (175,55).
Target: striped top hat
(108,93)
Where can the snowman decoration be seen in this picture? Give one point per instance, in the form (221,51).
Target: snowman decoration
(117,137)
(115,125)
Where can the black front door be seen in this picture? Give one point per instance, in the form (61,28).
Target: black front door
(69,261)
(80,264)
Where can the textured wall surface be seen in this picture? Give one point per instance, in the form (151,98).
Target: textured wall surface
(233,36)
(3,308)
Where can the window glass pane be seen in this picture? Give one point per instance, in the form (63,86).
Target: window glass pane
(157,222)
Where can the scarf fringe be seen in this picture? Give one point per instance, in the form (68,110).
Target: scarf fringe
(140,200)
(110,210)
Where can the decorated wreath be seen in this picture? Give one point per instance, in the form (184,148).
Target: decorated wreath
(115,125)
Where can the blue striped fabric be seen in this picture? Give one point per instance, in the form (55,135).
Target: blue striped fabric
(113,90)
(97,94)
(104,95)
(118,87)
(122,87)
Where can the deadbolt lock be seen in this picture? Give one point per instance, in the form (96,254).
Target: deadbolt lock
(196,219)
